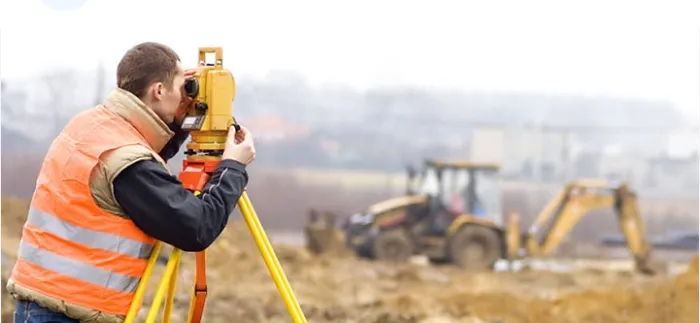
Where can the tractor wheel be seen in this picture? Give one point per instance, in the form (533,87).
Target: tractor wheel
(475,247)
(392,245)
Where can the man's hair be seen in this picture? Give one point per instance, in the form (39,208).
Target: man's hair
(144,64)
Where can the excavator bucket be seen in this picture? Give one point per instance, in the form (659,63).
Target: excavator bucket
(322,236)
(634,231)
(645,264)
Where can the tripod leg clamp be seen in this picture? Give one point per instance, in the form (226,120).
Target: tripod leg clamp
(200,296)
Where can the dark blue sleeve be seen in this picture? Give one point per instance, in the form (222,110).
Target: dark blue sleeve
(172,147)
(160,206)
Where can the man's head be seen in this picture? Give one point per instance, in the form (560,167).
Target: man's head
(153,73)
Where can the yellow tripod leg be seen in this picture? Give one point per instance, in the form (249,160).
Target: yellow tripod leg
(171,294)
(192,302)
(141,289)
(163,285)
(270,259)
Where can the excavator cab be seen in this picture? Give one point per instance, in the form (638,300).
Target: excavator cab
(460,188)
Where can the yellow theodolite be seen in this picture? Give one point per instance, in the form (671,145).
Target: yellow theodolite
(213,89)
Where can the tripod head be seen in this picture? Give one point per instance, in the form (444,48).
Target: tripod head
(213,89)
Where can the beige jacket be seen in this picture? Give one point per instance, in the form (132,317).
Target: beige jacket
(157,134)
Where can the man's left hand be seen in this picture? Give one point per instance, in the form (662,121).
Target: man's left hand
(186,102)
(189,73)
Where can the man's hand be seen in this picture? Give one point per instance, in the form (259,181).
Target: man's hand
(189,73)
(186,102)
(239,146)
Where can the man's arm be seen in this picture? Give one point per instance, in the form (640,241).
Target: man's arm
(160,206)
(173,146)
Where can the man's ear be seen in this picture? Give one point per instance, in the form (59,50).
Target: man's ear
(157,91)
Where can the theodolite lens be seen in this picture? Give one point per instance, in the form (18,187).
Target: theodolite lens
(191,88)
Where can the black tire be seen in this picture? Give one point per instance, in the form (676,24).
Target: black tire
(475,247)
(362,251)
(392,245)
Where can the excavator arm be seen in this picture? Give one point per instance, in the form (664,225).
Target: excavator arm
(630,218)
(579,198)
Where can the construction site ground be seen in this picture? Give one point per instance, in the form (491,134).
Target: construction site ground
(338,287)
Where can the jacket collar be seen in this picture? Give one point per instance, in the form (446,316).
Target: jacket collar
(139,115)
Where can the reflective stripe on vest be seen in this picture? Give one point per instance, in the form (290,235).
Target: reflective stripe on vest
(95,239)
(71,250)
(69,267)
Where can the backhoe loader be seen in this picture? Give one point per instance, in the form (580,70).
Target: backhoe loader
(452,213)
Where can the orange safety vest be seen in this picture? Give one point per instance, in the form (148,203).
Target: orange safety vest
(72,250)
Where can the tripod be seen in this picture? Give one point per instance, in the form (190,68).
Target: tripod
(194,176)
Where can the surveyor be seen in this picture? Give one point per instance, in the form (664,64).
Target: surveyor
(104,195)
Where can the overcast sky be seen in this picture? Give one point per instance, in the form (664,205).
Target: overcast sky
(622,48)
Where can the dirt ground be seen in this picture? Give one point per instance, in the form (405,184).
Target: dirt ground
(341,288)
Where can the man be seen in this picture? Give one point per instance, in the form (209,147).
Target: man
(104,196)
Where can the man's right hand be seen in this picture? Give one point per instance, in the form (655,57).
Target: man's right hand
(239,146)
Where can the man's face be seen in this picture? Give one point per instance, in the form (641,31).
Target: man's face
(168,98)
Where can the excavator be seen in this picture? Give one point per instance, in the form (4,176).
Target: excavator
(569,205)
(451,213)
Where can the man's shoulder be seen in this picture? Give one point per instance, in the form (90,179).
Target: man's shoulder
(111,164)
(115,161)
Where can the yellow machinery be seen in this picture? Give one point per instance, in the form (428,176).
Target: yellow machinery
(575,200)
(448,205)
(452,213)
(208,120)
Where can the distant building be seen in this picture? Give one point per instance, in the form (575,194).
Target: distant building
(668,174)
(622,166)
(675,173)
(331,147)
(683,143)
(524,153)
(487,145)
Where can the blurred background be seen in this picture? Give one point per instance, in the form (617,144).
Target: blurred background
(342,96)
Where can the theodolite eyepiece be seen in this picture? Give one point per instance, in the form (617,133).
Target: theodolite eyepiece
(192,88)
